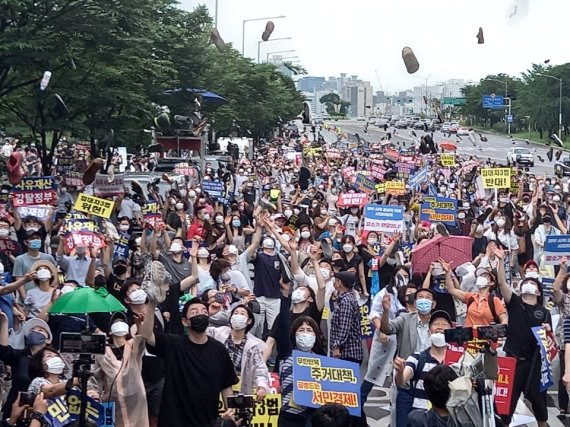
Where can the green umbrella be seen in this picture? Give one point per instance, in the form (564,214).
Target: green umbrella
(87,300)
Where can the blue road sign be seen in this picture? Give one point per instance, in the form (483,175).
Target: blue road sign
(509,118)
(493,101)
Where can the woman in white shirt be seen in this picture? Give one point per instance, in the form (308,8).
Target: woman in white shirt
(502,231)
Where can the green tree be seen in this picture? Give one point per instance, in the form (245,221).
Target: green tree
(335,105)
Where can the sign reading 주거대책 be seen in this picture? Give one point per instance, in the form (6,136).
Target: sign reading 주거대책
(384,218)
(318,380)
(439,209)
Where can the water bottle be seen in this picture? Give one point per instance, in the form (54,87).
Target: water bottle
(45,80)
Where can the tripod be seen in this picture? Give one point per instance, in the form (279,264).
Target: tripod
(484,383)
(82,368)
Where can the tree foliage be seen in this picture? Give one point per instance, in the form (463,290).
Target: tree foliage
(334,104)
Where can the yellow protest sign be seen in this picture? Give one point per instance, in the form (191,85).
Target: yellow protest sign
(380,188)
(94,205)
(447,159)
(265,412)
(496,177)
(396,188)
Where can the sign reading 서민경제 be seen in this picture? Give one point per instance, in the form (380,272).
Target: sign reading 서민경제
(384,218)
(318,380)
(439,209)
(555,248)
(496,178)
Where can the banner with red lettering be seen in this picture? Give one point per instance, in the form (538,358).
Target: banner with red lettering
(352,199)
(504,384)
(35,191)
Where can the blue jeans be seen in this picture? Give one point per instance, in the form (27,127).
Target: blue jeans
(404,402)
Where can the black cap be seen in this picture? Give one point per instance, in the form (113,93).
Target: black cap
(439,314)
(431,291)
(346,278)
(33,233)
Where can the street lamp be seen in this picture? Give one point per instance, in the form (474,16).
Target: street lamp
(506,83)
(559,79)
(250,20)
(267,41)
(279,51)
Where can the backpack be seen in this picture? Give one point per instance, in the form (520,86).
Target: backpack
(491,302)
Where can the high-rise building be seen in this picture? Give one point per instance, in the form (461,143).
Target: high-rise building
(359,94)
(310,83)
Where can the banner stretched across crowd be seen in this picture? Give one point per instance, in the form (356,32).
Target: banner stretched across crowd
(300,277)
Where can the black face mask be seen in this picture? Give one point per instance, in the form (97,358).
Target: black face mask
(120,269)
(199,323)
(100,281)
(410,298)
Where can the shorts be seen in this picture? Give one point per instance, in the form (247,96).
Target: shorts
(154,396)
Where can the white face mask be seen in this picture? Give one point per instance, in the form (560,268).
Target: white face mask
(347,248)
(138,297)
(479,229)
(43,274)
(461,215)
(288,213)
(119,329)
(500,222)
(175,247)
(124,227)
(481,282)
(203,253)
(219,219)
(325,272)
(437,339)
(298,296)
(179,206)
(55,365)
(238,322)
(268,244)
(531,275)
(206,217)
(305,341)
(529,288)
(305,234)
(67,289)
(4,232)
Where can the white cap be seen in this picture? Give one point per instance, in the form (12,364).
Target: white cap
(35,322)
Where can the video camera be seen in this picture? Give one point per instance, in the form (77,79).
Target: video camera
(244,407)
(461,335)
(82,343)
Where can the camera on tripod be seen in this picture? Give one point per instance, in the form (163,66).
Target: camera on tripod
(243,404)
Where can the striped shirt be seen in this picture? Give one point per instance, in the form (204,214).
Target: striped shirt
(566,330)
(286,378)
(420,397)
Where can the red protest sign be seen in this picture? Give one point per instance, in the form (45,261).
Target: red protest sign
(9,245)
(377,171)
(34,191)
(82,238)
(453,354)
(352,199)
(504,384)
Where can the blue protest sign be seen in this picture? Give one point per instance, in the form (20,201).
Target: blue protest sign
(109,420)
(547,286)
(366,326)
(318,380)
(439,209)
(213,188)
(545,371)
(65,409)
(122,246)
(555,248)
(384,218)
(419,177)
(432,191)
(364,184)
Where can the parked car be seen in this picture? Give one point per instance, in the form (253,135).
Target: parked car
(393,121)
(562,167)
(463,131)
(517,156)
(401,124)
(361,118)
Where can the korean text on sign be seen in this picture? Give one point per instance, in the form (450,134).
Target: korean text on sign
(35,191)
(352,199)
(384,218)
(447,159)
(318,380)
(555,248)
(94,205)
(496,177)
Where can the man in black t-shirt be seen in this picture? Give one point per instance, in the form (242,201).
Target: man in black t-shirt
(525,312)
(198,368)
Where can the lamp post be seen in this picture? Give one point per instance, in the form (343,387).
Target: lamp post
(506,83)
(528,120)
(559,79)
(251,20)
(279,51)
(267,41)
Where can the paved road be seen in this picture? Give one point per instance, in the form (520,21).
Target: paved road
(495,148)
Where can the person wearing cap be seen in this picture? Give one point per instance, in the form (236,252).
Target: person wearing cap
(24,262)
(198,368)
(238,262)
(417,365)
(483,307)
(37,335)
(525,312)
(75,266)
(31,223)
(344,335)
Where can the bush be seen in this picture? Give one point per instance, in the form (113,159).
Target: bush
(500,127)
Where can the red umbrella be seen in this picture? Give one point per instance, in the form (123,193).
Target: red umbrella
(452,248)
(448,145)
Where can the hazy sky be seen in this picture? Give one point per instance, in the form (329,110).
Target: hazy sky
(361,36)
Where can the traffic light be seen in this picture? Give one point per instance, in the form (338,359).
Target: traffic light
(269,27)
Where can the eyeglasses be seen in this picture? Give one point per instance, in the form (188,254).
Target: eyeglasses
(444,325)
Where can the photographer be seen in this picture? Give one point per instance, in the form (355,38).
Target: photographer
(525,312)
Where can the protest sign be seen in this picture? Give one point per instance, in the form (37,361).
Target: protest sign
(419,177)
(347,172)
(35,191)
(9,245)
(555,248)
(504,384)
(366,326)
(380,188)
(496,177)
(546,379)
(396,188)
(447,159)
(318,380)
(439,209)
(82,238)
(364,184)
(213,188)
(151,215)
(41,211)
(547,287)
(265,412)
(352,199)
(121,247)
(74,223)
(377,171)
(94,205)
(73,179)
(66,409)
(103,188)
(184,169)
(384,218)
(404,170)
(453,354)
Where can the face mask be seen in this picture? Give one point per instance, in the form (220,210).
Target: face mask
(43,274)
(354,211)
(286,237)
(63,190)
(239,322)
(437,271)
(179,206)
(372,241)
(288,213)
(138,297)
(402,280)
(325,272)
(199,323)
(206,217)
(461,215)
(347,248)
(268,244)
(236,223)
(528,288)
(296,211)
(503,199)
(479,229)
(192,195)
(531,275)
(203,253)
(175,247)
(4,232)
(423,305)
(500,222)
(305,341)
(437,339)
(298,296)
(119,329)
(55,365)
(35,244)
(35,338)
(183,194)
(410,298)
(120,269)
(481,282)
(32,228)
(67,289)
(124,227)
(305,234)
(219,219)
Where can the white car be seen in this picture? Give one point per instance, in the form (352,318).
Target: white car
(445,127)
(361,118)
(517,156)
(463,131)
